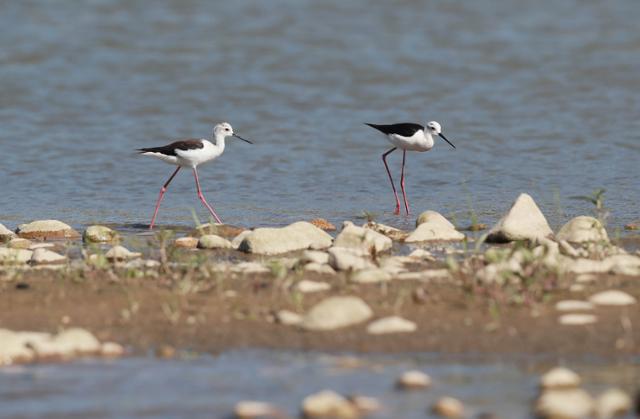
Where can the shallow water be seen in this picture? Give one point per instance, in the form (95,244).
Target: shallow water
(538,97)
(210,386)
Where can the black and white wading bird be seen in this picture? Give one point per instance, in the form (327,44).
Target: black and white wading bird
(408,137)
(189,154)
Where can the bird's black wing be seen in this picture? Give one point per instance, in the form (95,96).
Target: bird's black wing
(170,149)
(406,129)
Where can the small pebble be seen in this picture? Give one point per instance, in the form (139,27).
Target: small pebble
(328,404)
(365,405)
(572,403)
(250,409)
(112,349)
(577,319)
(165,351)
(186,242)
(121,253)
(573,305)
(412,380)
(288,318)
(308,286)
(448,407)
(391,324)
(576,288)
(612,298)
(613,402)
(559,377)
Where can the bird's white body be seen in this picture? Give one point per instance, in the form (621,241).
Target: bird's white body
(190,154)
(419,141)
(194,157)
(408,136)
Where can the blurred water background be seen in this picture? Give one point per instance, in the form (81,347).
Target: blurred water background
(539,97)
(209,387)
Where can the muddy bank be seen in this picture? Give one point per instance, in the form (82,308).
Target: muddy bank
(238,311)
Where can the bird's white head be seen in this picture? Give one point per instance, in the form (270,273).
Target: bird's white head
(434,128)
(224,129)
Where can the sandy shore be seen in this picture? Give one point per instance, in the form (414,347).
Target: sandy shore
(212,315)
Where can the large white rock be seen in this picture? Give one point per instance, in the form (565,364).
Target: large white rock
(211,241)
(13,348)
(348,259)
(14,256)
(612,403)
(336,312)
(315,256)
(392,324)
(559,377)
(43,256)
(67,343)
(237,240)
(328,404)
(431,225)
(47,229)
(297,236)
(6,234)
(612,298)
(583,229)
(523,221)
(433,217)
(564,404)
(365,239)
(99,234)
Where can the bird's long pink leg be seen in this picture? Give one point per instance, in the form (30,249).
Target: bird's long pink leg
(201,196)
(384,160)
(404,194)
(162,191)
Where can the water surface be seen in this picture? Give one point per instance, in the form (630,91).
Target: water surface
(210,386)
(538,97)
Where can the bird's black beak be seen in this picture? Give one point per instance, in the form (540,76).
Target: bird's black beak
(445,138)
(240,138)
